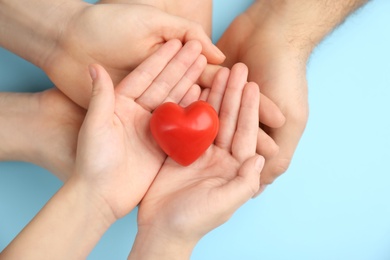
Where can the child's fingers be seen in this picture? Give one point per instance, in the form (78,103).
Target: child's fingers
(230,108)
(102,103)
(218,88)
(187,81)
(191,96)
(204,95)
(244,186)
(179,28)
(176,69)
(207,77)
(134,84)
(245,135)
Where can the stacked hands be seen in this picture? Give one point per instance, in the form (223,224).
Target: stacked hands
(96,137)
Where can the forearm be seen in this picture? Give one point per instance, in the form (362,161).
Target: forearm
(151,244)
(30,29)
(305,23)
(40,128)
(67,227)
(16,120)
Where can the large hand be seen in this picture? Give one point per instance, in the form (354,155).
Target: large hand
(198,11)
(259,40)
(119,37)
(184,203)
(116,153)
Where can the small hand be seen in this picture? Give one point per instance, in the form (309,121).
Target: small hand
(119,37)
(116,154)
(184,203)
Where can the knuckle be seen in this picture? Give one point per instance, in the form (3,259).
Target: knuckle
(272,172)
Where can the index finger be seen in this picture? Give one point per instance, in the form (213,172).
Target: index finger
(134,84)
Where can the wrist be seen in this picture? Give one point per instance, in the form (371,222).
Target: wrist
(152,243)
(68,226)
(31,29)
(304,24)
(94,206)
(17,114)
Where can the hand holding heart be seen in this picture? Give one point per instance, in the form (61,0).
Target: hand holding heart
(184,133)
(116,154)
(184,203)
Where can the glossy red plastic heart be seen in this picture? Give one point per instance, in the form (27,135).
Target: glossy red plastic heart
(184,134)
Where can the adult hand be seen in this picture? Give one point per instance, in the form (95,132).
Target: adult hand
(259,40)
(184,203)
(64,36)
(119,37)
(197,11)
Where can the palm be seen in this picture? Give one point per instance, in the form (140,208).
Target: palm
(190,201)
(117,36)
(194,187)
(117,152)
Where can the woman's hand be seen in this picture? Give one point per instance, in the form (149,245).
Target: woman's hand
(119,37)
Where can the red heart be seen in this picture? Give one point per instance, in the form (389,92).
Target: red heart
(184,134)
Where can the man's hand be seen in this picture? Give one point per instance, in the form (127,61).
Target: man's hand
(274,39)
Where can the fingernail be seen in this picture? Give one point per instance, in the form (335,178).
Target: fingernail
(220,53)
(259,163)
(92,72)
(261,189)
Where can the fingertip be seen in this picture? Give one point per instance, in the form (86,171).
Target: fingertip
(253,90)
(194,46)
(202,60)
(92,71)
(220,56)
(207,77)
(174,43)
(212,52)
(259,162)
(240,68)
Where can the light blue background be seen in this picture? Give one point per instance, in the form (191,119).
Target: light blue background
(334,201)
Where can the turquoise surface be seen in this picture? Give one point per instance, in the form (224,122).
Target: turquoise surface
(334,201)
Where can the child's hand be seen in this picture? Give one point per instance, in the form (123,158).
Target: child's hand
(116,154)
(185,203)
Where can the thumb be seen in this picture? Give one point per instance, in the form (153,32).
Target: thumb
(102,102)
(185,30)
(246,184)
